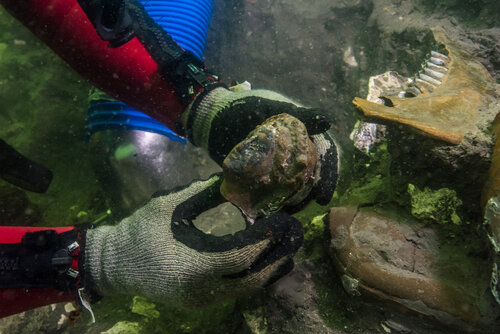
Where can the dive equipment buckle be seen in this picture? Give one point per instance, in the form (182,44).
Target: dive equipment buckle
(42,259)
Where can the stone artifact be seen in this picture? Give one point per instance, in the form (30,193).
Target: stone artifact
(405,263)
(274,166)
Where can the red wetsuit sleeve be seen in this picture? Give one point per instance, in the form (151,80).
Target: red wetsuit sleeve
(127,73)
(18,300)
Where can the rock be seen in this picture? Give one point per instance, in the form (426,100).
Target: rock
(406,264)
(291,307)
(366,134)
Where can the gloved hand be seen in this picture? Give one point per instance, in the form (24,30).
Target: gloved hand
(218,119)
(158,252)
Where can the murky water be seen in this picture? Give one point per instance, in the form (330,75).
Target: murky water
(404,250)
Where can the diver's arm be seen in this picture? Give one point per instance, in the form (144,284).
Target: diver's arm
(211,116)
(127,73)
(157,252)
(27,276)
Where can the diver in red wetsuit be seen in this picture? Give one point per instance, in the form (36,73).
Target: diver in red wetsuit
(157,252)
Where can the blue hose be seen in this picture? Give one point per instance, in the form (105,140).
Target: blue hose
(187,22)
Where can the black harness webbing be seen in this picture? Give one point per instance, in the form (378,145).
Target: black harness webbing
(118,21)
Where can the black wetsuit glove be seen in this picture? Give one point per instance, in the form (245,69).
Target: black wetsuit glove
(219,119)
(158,252)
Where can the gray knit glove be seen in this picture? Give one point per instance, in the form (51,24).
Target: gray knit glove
(158,252)
(219,119)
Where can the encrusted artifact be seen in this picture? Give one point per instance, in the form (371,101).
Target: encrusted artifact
(272,167)
(491,204)
(450,92)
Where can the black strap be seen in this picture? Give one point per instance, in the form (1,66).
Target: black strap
(110,19)
(42,260)
(118,21)
(21,171)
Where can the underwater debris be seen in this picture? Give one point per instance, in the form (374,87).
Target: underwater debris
(365,134)
(272,167)
(450,101)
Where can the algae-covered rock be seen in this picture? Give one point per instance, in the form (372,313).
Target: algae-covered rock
(124,327)
(315,228)
(144,307)
(438,206)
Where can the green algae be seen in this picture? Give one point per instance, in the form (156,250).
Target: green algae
(338,310)
(124,327)
(98,95)
(315,238)
(144,316)
(144,307)
(372,180)
(256,320)
(438,206)
(315,228)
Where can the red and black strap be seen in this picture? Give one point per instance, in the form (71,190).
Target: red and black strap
(42,259)
(127,73)
(118,21)
(35,268)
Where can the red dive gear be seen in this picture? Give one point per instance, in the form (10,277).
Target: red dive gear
(17,254)
(38,266)
(127,73)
